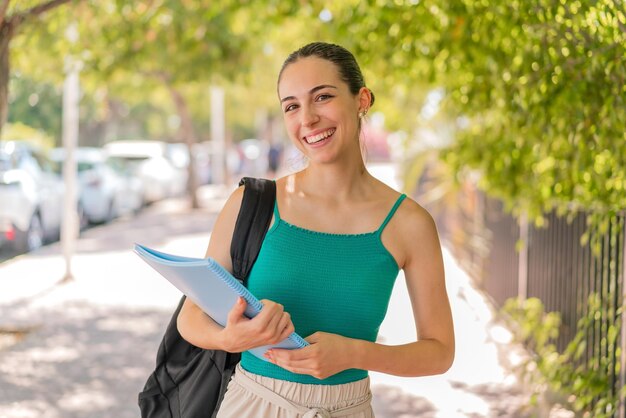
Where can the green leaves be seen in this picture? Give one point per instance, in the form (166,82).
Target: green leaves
(540,86)
(585,381)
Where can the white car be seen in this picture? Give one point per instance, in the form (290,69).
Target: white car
(178,154)
(103,193)
(149,161)
(31,197)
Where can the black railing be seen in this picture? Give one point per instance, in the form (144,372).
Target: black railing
(559,271)
(510,258)
(563,272)
(500,278)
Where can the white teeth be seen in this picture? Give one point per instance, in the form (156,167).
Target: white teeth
(319,137)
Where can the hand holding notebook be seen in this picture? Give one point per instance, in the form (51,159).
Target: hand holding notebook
(210,287)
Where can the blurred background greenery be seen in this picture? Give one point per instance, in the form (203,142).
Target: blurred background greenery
(530,95)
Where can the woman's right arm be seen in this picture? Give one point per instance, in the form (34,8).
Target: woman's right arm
(240,333)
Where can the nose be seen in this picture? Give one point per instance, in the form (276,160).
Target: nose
(309,116)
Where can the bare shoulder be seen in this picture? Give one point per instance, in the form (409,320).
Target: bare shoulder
(221,235)
(415,230)
(233,203)
(415,217)
(230,210)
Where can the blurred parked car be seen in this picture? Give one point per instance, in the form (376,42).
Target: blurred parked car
(132,186)
(31,197)
(204,155)
(103,194)
(149,160)
(178,154)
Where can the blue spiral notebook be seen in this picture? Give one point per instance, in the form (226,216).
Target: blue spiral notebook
(212,288)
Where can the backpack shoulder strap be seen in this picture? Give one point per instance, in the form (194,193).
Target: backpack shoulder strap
(253,220)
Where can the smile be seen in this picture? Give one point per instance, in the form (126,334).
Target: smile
(319,137)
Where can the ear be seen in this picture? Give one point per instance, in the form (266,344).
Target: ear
(365,99)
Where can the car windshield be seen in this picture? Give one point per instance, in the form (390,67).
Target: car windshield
(123,165)
(131,162)
(83,166)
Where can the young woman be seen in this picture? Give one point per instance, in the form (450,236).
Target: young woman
(328,263)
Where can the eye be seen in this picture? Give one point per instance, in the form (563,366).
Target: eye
(290,107)
(322,97)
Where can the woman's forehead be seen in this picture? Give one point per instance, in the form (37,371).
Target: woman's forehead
(301,76)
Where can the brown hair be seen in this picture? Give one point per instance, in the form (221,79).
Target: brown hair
(349,70)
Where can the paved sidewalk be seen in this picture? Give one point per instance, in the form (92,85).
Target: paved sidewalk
(93,341)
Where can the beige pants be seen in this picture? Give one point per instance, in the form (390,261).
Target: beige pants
(253,396)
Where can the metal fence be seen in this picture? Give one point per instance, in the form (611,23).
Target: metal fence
(501,268)
(510,258)
(551,264)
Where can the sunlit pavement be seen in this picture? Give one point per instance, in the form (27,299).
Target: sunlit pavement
(91,343)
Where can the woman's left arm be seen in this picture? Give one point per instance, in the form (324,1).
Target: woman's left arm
(431,354)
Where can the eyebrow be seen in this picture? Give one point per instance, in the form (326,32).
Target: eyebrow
(313,90)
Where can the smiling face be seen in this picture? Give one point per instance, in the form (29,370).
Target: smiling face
(320,112)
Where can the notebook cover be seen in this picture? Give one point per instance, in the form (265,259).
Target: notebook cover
(212,288)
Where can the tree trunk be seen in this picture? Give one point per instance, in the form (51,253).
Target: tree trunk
(189,136)
(8,27)
(5,38)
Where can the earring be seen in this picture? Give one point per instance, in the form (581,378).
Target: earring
(362,113)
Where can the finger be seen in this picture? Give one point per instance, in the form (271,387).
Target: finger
(274,318)
(269,309)
(263,318)
(288,328)
(300,367)
(284,322)
(266,327)
(288,356)
(237,310)
(313,338)
(291,364)
(287,364)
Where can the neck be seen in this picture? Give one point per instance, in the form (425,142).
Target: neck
(338,180)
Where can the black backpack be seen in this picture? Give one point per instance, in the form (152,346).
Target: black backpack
(188,381)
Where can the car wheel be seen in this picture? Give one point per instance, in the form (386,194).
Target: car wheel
(111,213)
(83,220)
(33,238)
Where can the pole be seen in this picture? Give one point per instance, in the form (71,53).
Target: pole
(218,135)
(69,230)
(622,370)
(522,268)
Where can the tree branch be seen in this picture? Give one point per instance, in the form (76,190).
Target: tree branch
(4,6)
(36,10)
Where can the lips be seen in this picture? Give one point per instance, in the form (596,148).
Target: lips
(320,136)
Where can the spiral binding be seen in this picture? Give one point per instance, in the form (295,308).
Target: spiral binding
(235,285)
(245,293)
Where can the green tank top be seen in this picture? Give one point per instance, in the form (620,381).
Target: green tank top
(336,283)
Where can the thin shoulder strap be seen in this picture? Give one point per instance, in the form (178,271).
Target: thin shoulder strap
(391,213)
(252,224)
(276,211)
